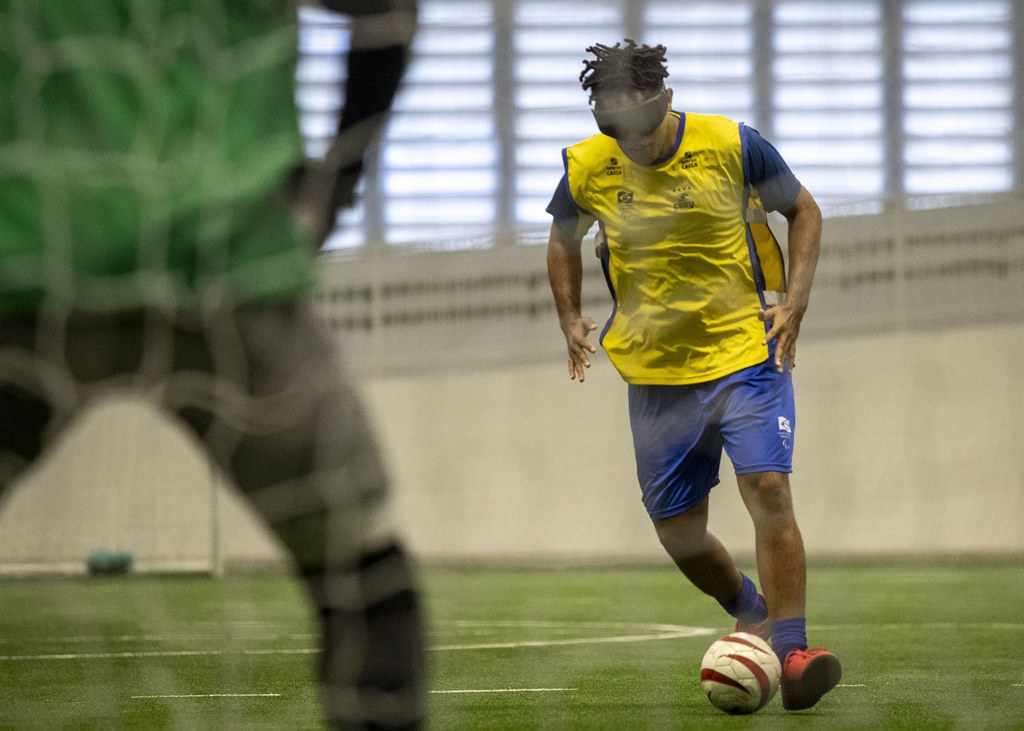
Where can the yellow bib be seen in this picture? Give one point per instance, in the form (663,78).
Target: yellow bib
(681,257)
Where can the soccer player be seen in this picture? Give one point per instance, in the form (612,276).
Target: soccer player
(148,241)
(703,330)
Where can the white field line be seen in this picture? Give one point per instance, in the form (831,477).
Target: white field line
(208,695)
(170,696)
(506,690)
(647,632)
(556,643)
(650,632)
(664,632)
(158,653)
(927,626)
(111,655)
(184,637)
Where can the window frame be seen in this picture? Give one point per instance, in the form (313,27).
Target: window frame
(529,124)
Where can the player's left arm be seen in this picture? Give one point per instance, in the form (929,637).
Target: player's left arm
(804,219)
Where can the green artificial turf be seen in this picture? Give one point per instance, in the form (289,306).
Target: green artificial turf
(923,646)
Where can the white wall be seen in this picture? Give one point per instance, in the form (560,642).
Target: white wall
(122,479)
(915,441)
(905,443)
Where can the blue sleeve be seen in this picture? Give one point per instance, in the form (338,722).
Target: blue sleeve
(768,172)
(562,205)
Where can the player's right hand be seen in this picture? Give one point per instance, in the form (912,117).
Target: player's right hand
(580,347)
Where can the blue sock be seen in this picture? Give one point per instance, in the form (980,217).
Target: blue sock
(747,606)
(789,635)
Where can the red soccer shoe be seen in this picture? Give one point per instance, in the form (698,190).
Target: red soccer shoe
(807,675)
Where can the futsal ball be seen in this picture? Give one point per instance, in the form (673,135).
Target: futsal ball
(740,673)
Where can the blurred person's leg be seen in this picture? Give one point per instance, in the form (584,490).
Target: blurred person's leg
(285,425)
(25,409)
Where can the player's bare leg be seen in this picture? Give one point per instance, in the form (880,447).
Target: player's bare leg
(707,564)
(699,555)
(807,674)
(781,563)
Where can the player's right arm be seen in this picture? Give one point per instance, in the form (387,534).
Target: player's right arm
(565,273)
(381,39)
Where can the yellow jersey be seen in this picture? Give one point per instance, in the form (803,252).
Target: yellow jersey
(689,259)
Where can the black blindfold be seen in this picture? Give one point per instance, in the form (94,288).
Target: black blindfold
(636,120)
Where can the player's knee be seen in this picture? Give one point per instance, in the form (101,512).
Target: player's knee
(387,578)
(684,534)
(767,492)
(373,664)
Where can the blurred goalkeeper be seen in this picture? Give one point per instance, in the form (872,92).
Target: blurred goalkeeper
(149,240)
(703,330)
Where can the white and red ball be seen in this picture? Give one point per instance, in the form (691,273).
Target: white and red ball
(740,673)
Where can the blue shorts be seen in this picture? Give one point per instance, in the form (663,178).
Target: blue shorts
(679,433)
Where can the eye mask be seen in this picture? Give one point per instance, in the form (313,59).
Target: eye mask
(635,120)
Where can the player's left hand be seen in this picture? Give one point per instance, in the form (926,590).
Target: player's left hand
(785,327)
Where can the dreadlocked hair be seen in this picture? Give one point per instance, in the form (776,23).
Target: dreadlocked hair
(626,67)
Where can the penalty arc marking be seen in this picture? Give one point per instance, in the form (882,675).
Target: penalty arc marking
(610,632)
(206,695)
(502,690)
